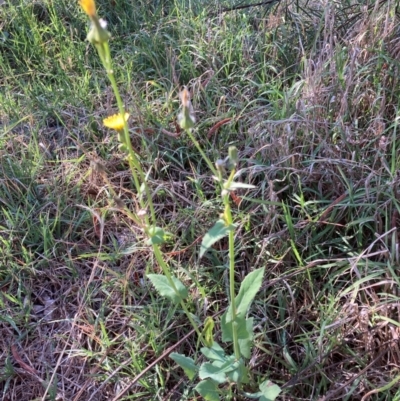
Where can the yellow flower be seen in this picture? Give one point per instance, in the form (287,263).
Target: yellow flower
(116,121)
(89,7)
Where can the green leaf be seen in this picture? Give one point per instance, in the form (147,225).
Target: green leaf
(217,370)
(209,370)
(245,343)
(163,286)
(247,292)
(242,328)
(186,363)
(157,236)
(208,390)
(245,333)
(215,353)
(218,231)
(269,391)
(240,374)
(10,321)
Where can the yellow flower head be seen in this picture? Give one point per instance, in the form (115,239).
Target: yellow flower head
(89,7)
(116,121)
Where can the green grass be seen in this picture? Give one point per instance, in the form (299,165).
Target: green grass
(313,96)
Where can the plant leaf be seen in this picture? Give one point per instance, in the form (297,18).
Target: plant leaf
(247,292)
(208,390)
(163,286)
(240,374)
(186,363)
(218,231)
(242,328)
(209,370)
(269,391)
(245,344)
(245,333)
(157,236)
(217,370)
(215,352)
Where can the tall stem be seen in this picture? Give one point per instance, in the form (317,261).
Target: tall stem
(134,163)
(231,237)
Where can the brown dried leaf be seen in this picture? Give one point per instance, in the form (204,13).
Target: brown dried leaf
(21,362)
(217,126)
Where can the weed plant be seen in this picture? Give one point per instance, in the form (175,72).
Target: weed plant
(123,250)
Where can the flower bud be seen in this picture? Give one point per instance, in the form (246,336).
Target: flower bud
(186,118)
(98,33)
(233,155)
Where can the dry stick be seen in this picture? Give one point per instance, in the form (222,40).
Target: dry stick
(155,362)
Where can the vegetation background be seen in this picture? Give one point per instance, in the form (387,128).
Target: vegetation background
(307,90)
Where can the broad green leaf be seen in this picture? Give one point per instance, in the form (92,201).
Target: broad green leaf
(163,286)
(247,292)
(218,369)
(218,231)
(208,390)
(242,328)
(227,329)
(214,353)
(157,236)
(269,391)
(240,374)
(245,344)
(186,363)
(209,371)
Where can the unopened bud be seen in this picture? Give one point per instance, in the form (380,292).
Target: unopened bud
(220,165)
(233,156)
(98,33)
(186,118)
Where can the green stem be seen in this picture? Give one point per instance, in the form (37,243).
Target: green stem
(207,160)
(231,236)
(133,160)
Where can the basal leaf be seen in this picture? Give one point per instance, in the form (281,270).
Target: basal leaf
(240,374)
(214,353)
(163,286)
(186,363)
(210,371)
(269,391)
(218,231)
(208,390)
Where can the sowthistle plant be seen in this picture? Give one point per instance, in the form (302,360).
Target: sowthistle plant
(236,327)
